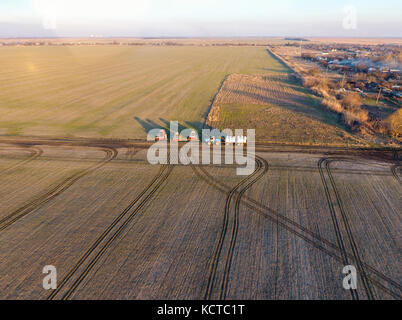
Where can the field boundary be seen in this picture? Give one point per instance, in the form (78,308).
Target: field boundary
(212,104)
(284,62)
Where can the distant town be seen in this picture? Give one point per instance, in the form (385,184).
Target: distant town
(368,70)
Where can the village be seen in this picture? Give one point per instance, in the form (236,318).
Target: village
(374,71)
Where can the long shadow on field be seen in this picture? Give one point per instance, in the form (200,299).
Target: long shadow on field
(148,124)
(196,125)
(167,125)
(301,105)
(305,105)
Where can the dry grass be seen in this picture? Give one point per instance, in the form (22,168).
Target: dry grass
(350,117)
(259,89)
(278,108)
(332,104)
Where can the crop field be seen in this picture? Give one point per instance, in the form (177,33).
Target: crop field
(112,91)
(279,109)
(117,227)
(123,92)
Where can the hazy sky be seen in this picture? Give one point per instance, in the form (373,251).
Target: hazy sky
(146,18)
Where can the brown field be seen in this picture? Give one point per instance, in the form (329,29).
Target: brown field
(123,229)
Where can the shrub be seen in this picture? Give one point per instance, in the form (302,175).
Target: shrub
(309,81)
(352,101)
(352,118)
(394,124)
(315,72)
(349,118)
(319,85)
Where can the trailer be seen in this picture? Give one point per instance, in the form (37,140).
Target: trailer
(193,136)
(239,140)
(230,140)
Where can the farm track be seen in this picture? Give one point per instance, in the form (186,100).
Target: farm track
(302,232)
(262,166)
(7,221)
(36,152)
(356,257)
(339,239)
(211,284)
(352,242)
(260,146)
(314,170)
(394,170)
(130,160)
(108,236)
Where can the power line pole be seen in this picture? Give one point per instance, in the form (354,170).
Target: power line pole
(378,96)
(343,80)
(300,48)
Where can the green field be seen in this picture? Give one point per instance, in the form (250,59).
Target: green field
(114,92)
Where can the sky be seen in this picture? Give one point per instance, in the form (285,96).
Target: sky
(200,18)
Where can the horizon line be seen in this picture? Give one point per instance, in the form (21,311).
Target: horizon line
(200,37)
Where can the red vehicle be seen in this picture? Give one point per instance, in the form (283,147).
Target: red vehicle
(193,136)
(161,136)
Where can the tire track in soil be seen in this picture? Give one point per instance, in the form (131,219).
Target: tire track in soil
(263,168)
(212,278)
(339,239)
(21,212)
(351,239)
(36,152)
(394,170)
(119,225)
(302,232)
